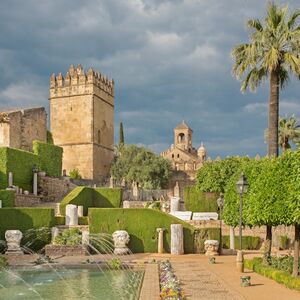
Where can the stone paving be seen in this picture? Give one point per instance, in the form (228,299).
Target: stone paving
(200,283)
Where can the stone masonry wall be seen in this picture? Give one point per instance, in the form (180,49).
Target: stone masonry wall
(27,200)
(24,126)
(55,189)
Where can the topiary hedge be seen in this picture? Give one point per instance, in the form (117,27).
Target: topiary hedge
(248,242)
(20,163)
(257,266)
(197,201)
(106,197)
(49,158)
(141,224)
(25,218)
(8,198)
(90,197)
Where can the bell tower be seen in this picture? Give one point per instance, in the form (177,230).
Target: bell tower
(183,136)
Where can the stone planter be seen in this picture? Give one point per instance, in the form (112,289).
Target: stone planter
(245,281)
(211,247)
(13,241)
(64,250)
(121,239)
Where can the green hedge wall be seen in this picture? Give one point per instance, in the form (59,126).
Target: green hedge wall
(90,197)
(107,198)
(49,158)
(141,224)
(3,167)
(257,266)
(8,198)
(25,218)
(197,201)
(20,163)
(248,242)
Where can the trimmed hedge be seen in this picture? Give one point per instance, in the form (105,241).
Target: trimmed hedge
(248,242)
(25,218)
(197,201)
(60,220)
(90,197)
(141,224)
(282,277)
(20,163)
(8,198)
(108,198)
(49,158)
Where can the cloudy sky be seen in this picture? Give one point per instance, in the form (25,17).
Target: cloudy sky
(170,60)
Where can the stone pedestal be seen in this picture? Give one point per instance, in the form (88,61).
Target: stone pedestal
(35,183)
(80,211)
(85,238)
(160,246)
(54,233)
(121,239)
(176,190)
(10,179)
(211,247)
(71,215)
(135,191)
(13,240)
(175,204)
(57,209)
(177,239)
(231,233)
(240,261)
(111,183)
(0,203)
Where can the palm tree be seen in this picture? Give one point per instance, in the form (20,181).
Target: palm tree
(273,52)
(288,130)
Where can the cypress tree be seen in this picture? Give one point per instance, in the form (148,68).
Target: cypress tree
(121,135)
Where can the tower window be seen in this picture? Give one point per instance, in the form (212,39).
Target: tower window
(99,137)
(181,138)
(172,155)
(177,155)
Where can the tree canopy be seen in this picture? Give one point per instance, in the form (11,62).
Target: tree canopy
(141,165)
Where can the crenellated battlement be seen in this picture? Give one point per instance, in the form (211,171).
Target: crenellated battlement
(77,81)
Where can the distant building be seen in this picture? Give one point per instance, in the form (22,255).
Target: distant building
(19,128)
(183,156)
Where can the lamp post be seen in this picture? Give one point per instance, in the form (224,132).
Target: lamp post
(241,187)
(220,203)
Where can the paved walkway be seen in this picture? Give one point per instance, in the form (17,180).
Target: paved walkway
(221,281)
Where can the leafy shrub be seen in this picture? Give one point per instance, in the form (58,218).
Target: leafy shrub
(283,277)
(74,174)
(153,205)
(49,138)
(114,263)
(35,239)
(283,242)
(3,262)
(284,263)
(44,259)
(69,237)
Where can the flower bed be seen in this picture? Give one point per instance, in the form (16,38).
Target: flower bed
(169,284)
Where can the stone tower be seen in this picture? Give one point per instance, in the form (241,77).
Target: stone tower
(183,137)
(82,120)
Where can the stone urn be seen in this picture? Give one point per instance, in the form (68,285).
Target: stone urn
(121,239)
(13,240)
(211,247)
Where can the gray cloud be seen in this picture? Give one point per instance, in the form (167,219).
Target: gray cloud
(170,60)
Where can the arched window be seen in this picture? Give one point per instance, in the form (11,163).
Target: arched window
(177,155)
(172,155)
(181,138)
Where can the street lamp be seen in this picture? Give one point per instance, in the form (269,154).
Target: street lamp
(241,187)
(220,203)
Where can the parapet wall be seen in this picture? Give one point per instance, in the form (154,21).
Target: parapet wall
(78,82)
